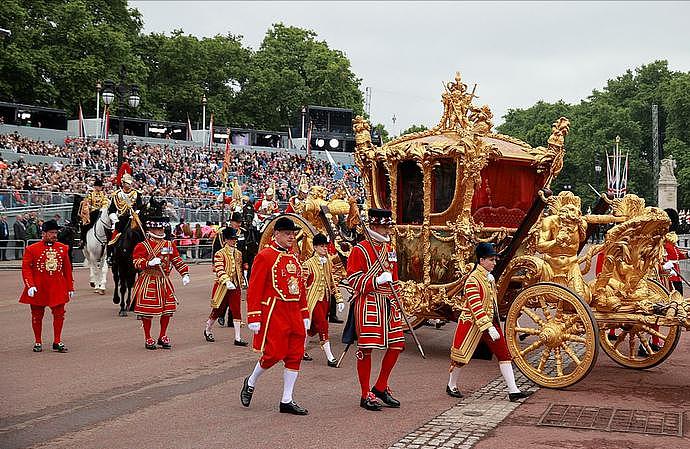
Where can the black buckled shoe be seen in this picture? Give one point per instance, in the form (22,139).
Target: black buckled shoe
(37,347)
(513,397)
(150,344)
(307,357)
(453,392)
(59,347)
(164,342)
(370,403)
(293,408)
(386,397)
(332,363)
(240,343)
(209,336)
(246,393)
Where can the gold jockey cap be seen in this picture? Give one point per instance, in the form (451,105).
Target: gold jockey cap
(272,189)
(127,179)
(303,185)
(236,191)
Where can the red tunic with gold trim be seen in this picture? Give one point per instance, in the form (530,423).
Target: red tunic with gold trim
(265,207)
(476,316)
(276,298)
(377,314)
(153,293)
(47,267)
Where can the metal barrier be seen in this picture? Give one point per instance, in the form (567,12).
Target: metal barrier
(200,250)
(12,249)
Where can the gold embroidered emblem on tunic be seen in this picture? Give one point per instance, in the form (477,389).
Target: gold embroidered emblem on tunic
(51,263)
(291,268)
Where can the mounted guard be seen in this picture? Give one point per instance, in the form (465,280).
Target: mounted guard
(267,205)
(124,204)
(90,208)
(296,202)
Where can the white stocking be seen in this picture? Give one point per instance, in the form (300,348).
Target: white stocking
(209,323)
(508,375)
(327,349)
(258,371)
(238,335)
(289,379)
(454,376)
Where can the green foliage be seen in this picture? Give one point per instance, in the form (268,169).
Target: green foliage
(60,50)
(413,129)
(292,69)
(622,108)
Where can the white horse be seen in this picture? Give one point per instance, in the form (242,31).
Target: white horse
(95,251)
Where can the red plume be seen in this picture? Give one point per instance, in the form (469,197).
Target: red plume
(124,168)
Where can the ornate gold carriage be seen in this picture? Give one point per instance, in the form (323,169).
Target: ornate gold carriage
(458,184)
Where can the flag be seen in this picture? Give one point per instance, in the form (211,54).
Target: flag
(309,138)
(338,172)
(210,133)
(82,130)
(226,159)
(290,138)
(189,129)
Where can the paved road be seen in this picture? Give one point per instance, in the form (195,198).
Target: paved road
(109,392)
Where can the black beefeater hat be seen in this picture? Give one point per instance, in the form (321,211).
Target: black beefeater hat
(484,250)
(285,224)
(380,216)
(229,233)
(50,225)
(320,239)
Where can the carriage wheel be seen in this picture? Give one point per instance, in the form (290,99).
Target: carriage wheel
(304,236)
(552,336)
(640,345)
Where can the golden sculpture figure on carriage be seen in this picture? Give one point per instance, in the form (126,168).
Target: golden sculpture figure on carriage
(458,184)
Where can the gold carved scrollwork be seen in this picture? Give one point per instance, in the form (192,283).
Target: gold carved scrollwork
(550,160)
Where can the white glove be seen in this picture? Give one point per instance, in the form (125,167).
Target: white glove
(384,278)
(493,333)
(155,261)
(71,294)
(113,219)
(668,265)
(673,273)
(31,292)
(185,279)
(341,307)
(229,285)
(307,323)
(254,327)
(490,277)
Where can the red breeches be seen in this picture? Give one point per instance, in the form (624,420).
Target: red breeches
(233,299)
(284,338)
(37,313)
(319,320)
(499,347)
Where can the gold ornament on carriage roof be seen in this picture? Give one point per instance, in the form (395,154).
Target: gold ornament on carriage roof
(449,188)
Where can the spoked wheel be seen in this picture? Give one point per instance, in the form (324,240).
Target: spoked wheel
(640,345)
(304,236)
(552,335)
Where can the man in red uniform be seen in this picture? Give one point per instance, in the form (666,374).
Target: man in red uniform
(267,205)
(47,274)
(478,321)
(377,314)
(673,253)
(153,292)
(277,314)
(227,286)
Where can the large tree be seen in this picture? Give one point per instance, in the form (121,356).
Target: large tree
(292,69)
(623,107)
(59,50)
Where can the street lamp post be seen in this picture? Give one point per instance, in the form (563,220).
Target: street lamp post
(98,109)
(304,114)
(122,91)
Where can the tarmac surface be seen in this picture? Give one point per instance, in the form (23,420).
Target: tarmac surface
(110,392)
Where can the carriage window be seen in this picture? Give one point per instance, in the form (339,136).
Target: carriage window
(383,186)
(410,193)
(443,185)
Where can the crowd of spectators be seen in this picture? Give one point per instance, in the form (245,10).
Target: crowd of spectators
(186,175)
